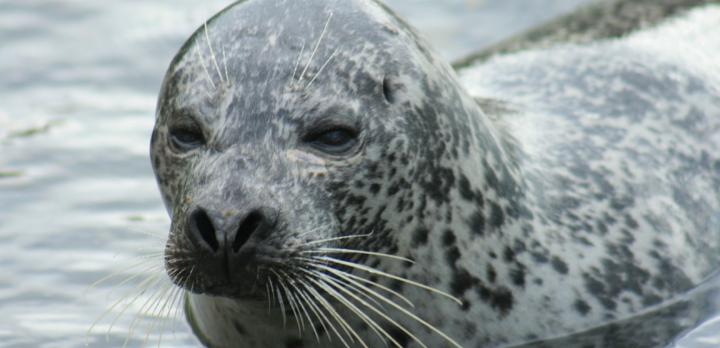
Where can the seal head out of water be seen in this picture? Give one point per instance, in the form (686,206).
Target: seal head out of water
(331,183)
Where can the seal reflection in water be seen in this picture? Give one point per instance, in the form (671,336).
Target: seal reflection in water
(331,183)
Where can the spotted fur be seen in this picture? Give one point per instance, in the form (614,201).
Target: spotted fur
(583,187)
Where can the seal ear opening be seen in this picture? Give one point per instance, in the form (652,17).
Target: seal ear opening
(388,90)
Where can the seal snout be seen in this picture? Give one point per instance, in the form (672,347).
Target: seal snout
(228,234)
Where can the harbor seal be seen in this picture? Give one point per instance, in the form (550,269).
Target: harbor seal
(332,184)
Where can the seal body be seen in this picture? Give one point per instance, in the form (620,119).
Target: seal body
(307,150)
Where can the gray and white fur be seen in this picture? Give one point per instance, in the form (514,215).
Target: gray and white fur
(584,187)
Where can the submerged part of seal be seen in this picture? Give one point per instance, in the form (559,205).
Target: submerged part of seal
(307,150)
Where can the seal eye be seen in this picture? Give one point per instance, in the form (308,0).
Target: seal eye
(186,139)
(335,141)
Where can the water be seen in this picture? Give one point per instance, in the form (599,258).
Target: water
(77,197)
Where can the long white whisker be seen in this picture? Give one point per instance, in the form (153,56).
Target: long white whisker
(297,63)
(335,239)
(347,329)
(322,68)
(387,275)
(225,65)
(314,309)
(212,52)
(351,306)
(378,285)
(411,315)
(322,35)
(360,289)
(204,65)
(352,251)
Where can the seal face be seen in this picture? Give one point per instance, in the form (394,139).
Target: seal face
(317,157)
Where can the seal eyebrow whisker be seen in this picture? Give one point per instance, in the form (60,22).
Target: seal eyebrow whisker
(317,45)
(322,67)
(225,65)
(297,64)
(212,52)
(352,251)
(207,72)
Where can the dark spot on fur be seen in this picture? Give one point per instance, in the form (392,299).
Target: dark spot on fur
(452,255)
(518,276)
(508,254)
(462,281)
(448,238)
(497,218)
(374,188)
(559,265)
(477,223)
(491,274)
(501,299)
(582,307)
(465,188)
(420,237)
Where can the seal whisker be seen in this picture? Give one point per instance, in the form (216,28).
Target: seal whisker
(117,303)
(287,286)
(325,283)
(361,289)
(212,52)
(335,239)
(314,309)
(155,280)
(301,304)
(311,231)
(158,310)
(124,270)
(406,312)
(272,293)
(388,275)
(182,286)
(281,302)
(332,312)
(322,68)
(166,315)
(142,312)
(207,72)
(353,251)
(225,65)
(317,45)
(297,64)
(378,285)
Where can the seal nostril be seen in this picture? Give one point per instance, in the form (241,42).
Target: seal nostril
(251,223)
(202,227)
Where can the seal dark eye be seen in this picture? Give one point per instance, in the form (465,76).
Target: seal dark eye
(185,139)
(335,141)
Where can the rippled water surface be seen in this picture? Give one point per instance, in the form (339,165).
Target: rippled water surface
(78,201)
